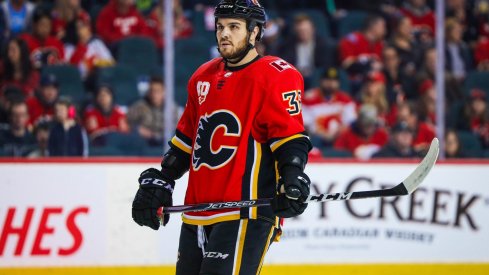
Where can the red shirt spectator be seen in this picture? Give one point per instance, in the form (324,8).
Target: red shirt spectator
(361,52)
(120,19)
(423,136)
(44,49)
(182,27)
(356,46)
(98,123)
(41,106)
(423,132)
(478,114)
(16,68)
(364,137)
(90,52)
(65,14)
(421,15)
(104,117)
(326,109)
(481,54)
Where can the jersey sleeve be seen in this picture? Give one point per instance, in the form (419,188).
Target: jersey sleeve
(186,125)
(279,118)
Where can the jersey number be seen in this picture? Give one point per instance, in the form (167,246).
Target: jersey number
(293,98)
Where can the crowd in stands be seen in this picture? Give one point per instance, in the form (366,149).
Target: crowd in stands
(84,77)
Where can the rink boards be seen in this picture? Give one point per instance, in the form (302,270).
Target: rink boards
(77,214)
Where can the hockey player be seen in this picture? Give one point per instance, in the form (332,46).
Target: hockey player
(241,137)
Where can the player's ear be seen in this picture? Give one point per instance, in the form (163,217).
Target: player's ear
(254,34)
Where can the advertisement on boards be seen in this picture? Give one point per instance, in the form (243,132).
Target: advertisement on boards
(79,214)
(445,220)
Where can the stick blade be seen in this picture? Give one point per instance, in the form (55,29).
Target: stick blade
(419,174)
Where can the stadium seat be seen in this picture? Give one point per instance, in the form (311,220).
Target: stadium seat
(139,53)
(70,82)
(192,52)
(95,10)
(353,21)
(129,144)
(200,29)
(198,22)
(335,153)
(123,80)
(153,151)
(486,154)
(454,114)
(115,143)
(344,81)
(319,20)
(477,80)
(470,144)
(104,151)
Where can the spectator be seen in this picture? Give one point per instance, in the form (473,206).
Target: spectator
(481,18)
(146,116)
(67,137)
(90,52)
(373,93)
(427,102)
(361,52)
(346,5)
(458,9)
(400,144)
(119,19)
(41,106)
(305,49)
(327,110)
(397,80)
(403,41)
(421,15)
(9,95)
(423,132)
(428,68)
(481,54)
(16,140)
(18,15)
(453,148)
(272,37)
(457,54)
(365,136)
(17,69)
(475,117)
(182,27)
(65,14)
(104,116)
(44,49)
(41,135)
(426,77)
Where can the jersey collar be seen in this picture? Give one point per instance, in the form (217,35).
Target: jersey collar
(237,68)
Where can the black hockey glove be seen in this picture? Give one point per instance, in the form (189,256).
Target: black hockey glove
(296,185)
(155,190)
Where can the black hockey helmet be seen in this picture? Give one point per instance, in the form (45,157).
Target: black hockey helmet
(250,10)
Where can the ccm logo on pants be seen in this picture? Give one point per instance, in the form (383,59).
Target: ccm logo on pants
(215,255)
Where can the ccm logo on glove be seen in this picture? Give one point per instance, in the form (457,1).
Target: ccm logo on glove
(157,182)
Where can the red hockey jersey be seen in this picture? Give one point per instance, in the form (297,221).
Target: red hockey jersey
(113,26)
(357,46)
(233,121)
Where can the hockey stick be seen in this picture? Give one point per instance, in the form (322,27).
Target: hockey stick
(406,187)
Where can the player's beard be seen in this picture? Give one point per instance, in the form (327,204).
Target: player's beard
(235,53)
